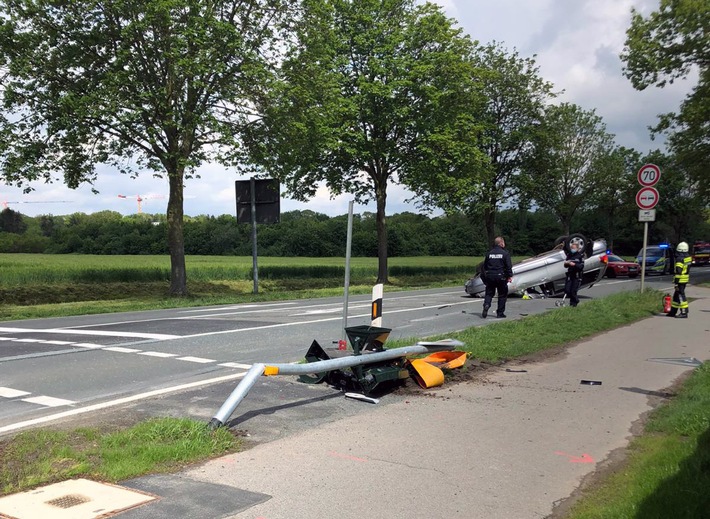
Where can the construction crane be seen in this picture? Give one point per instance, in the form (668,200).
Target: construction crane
(141,198)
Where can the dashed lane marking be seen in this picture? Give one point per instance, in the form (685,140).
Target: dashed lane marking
(159,354)
(48,401)
(199,360)
(8,392)
(235,365)
(97,333)
(119,349)
(8,338)
(87,345)
(28,340)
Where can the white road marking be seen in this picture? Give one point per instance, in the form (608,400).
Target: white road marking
(28,340)
(58,342)
(87,345)
(98,333)
(48,401)
(325,320)
(199,360)
(235,365)
(120,401)
(8,392)
(8,338)
(119,349)
(158,354)
(238,307)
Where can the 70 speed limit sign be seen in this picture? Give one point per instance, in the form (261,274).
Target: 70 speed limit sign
(649,175)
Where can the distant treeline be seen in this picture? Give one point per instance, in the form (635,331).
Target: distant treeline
(306,233)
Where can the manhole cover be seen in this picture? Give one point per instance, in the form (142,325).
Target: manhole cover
(68,501)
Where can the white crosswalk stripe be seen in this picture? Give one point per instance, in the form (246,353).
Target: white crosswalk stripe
(43,400)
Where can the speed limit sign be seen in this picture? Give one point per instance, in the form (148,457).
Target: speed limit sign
(649,175)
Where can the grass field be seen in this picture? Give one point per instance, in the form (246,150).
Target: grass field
(20,269)
(43,285)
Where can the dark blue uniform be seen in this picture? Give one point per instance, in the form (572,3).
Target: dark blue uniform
(574,276)
(497,269)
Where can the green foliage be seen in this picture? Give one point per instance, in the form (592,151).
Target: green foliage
(569,163)
(666,46)
(158,85)
(369,93)
(514,96)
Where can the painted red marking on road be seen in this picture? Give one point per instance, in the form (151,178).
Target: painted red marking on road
(346,456)
(584,458)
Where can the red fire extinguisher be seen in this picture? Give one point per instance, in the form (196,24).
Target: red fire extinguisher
(666,304)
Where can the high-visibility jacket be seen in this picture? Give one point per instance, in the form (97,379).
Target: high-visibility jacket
(682,269)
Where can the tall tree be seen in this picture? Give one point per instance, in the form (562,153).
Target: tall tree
(371,93)
(667,45)
(514,96)
(163,85)
(613,195)
(571,148)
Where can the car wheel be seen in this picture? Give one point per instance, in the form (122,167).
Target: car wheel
(610,273)
(559,240)
(579,239)
(633,275)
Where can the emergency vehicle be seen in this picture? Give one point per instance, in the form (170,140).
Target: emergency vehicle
(701,253)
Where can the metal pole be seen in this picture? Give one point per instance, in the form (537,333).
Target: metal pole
(643,257)
(237,395)
(348,248)
(240,392)
(252,191)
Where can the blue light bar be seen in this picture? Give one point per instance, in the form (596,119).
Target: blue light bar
(663,246)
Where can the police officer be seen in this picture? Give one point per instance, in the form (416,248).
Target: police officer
(682,276)
(497,273)
(575,266)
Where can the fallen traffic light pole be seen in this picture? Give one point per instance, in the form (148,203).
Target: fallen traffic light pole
(322,366)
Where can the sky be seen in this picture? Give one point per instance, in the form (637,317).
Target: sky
(576,43)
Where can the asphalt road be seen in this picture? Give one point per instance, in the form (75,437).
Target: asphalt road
(57,368)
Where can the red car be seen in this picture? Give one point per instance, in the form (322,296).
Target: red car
(619,267)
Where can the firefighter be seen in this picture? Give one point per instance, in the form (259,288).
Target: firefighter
(575,266)
(681,278)
(497,272)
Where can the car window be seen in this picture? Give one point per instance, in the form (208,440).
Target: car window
(702,250)
(651,251)
(615,259)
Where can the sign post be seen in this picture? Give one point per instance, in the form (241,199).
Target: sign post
(257,202)
(646,199)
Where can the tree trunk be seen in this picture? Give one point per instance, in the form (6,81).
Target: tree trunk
(381,195)
(176,241)
(489,219)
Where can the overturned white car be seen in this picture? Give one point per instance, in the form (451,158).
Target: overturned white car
(544,274)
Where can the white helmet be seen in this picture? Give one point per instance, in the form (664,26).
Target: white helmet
(682,247)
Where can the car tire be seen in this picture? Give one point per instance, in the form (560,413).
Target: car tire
(632,276)
(610,273)
(560,239)
(575,238)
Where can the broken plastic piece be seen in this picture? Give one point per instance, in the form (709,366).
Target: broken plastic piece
(591,382)
(358,396)
(516,370)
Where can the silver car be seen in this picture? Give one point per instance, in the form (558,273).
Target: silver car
(545,274)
